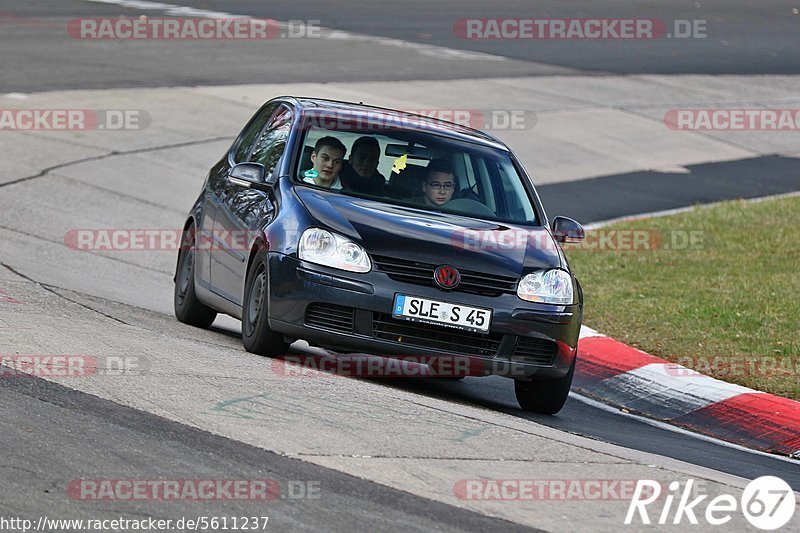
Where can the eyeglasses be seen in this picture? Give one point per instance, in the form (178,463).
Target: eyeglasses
(435,185)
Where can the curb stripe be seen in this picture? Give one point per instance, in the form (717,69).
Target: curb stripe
(655,390)
(755,419)
(630,379)
(603,357)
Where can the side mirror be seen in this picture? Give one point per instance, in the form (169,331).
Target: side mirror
(250,175)
(567,230)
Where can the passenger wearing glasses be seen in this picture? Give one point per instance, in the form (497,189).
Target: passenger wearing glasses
(439,185)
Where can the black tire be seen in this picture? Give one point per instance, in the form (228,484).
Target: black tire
(544,396)
(188,309)
(257,336)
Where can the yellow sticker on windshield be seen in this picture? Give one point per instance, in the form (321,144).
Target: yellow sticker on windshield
(399,164)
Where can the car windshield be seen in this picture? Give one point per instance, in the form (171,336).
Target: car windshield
(417,169)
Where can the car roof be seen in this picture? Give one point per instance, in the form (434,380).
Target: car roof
(394,118)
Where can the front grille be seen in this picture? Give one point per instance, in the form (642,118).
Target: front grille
(329,316)
(434,337)
(341,319)
(422,274)
(540,352)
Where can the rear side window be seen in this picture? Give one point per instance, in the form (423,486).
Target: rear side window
(270,145)
(245,145)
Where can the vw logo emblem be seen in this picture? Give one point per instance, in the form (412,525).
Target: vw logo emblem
(447,277)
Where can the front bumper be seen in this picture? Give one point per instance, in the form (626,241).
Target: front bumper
(524,340)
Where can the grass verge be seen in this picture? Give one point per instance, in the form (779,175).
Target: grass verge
(716,289)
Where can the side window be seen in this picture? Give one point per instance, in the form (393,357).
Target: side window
(469,171)
(511,192)
(250,135)
(270,145)
(483,180)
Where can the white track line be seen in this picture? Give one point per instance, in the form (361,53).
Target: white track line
(587,332)
(675,429)
(679,210)
(430,50)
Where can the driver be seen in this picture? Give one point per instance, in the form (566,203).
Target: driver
(439,184)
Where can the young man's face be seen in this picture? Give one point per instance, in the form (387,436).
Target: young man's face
(327,162)
(364,160)
(438,188)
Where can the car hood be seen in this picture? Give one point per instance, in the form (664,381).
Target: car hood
(430,237)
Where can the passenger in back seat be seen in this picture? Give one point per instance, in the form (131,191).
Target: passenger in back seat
(360,173)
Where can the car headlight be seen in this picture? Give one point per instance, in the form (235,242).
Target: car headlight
(549,287)
(326,248)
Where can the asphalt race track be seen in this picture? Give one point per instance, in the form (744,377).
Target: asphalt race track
(347,454)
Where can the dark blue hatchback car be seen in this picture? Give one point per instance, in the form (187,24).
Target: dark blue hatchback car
(362,229)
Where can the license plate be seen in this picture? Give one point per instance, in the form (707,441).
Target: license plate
(445,314)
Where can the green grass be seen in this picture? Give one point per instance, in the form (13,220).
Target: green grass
(735,298)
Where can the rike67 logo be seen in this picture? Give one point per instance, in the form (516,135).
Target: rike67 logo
(767,503)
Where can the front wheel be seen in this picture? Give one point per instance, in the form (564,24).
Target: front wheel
(544,396)
(257,336)
(188,309)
